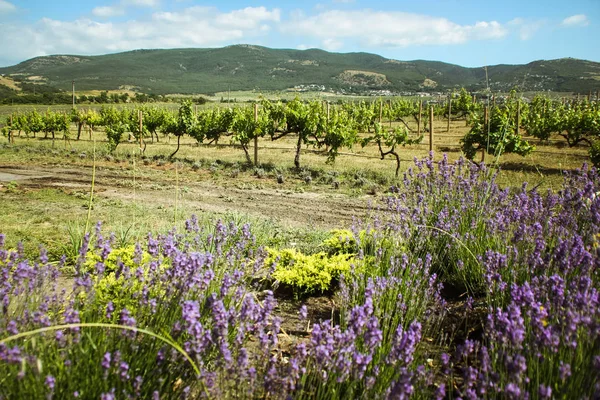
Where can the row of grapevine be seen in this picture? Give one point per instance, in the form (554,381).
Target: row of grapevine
(497,129)
(576,122)
(313,123)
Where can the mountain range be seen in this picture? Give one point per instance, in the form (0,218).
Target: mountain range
(249,67)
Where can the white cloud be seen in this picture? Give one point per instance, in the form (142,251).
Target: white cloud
(526,28)
(119,9)
(389,29)
(247,18)
(332,44)
(191,27)
(108,11)
(141,3)
(576,20)
(6,7)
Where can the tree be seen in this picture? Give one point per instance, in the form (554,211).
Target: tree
(103,98)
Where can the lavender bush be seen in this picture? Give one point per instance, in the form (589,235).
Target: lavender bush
(533,258)
(457,213)
(179,316)
(219,338)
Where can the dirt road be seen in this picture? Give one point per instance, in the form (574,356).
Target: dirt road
(198,192)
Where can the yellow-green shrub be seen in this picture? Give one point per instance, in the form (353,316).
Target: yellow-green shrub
(123,291)
(308,273)
(111,264)
(341,242)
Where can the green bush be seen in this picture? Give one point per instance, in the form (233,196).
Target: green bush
(120,283)
(124,255)
(341,241)
(308,273)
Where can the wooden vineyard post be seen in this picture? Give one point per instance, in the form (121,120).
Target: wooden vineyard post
(518,116)
(141,117)
(419,119)
(493,100)
(486,124)
(67,133)
(11,137)
(486,116)
(449,112)
(327,111)
(430,128)
(390,105)
(590,96)
(380,112)
(256,137)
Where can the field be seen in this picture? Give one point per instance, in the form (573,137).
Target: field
(334,280)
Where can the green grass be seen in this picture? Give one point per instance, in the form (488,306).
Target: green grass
(48,216)
(55,219)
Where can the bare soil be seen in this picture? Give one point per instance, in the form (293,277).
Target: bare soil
(298,209)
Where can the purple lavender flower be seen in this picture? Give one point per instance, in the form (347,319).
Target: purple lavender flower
(512,391)
(110,308)
(108,396)
(303,313)
(106,359)
(545,392)
(126,318)
(564,371)
(50,382)
(440,392)
(124,370)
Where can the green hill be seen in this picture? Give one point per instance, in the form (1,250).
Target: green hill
(246,67)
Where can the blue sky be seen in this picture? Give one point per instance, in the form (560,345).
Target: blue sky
(465,32)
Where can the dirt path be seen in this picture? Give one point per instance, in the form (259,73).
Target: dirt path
(198,193)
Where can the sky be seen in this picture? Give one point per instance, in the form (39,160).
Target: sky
(465,32)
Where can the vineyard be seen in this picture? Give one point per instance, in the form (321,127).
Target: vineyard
(302,250)
(495,128)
